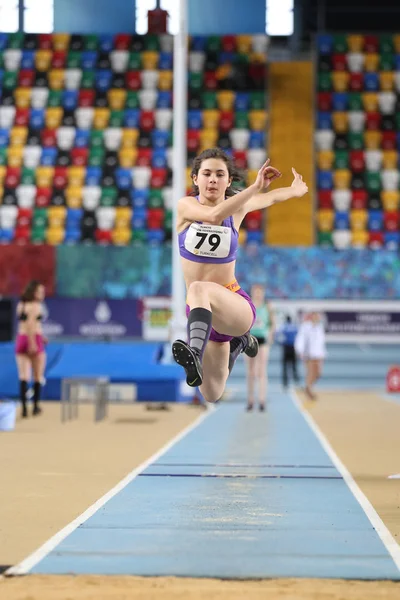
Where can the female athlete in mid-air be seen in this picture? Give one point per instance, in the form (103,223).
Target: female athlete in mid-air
(220,314)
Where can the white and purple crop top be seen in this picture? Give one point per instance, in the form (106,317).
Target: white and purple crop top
(201,242)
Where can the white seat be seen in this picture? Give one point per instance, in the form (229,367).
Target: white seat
(387,102)
(105,217)
(167,194)
(31,156)
(163,118)
(256,157)
(239,138)
(150,79)
(72,79)
(26,195)
(355,61)
(341,238)
(112,138)
(390,179)
(8,216)
(148,99)
(119,60)
(7,115)
(84,117)
(397,80)
(341,200)
(141,177)
(196,61)
(166,42)
(39,97)
(91,192)
(65,137)
(373,160)
(12,59)
(356,120)
(260,43)
(324,139)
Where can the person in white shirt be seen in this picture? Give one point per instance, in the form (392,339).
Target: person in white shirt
(310,347)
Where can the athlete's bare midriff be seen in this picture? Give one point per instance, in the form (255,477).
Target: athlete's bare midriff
(218,273)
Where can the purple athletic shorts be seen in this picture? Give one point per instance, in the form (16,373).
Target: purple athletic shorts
(21,344)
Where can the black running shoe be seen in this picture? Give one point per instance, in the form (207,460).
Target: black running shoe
(251,348)
(185,356)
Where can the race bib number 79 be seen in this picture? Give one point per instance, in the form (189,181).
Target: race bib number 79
(208,240)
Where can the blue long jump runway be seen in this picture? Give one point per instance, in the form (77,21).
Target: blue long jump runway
(243,495)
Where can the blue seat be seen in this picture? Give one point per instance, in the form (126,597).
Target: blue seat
(1,76)
(4,137)
(342,220)
(159,158)
(88,60)
(37,118)
(371,82)
(70,99)
(257,139)
(106,42)
(324,120)
(195,120)
(6,235)
(123,178)
(325,180)
(139,219)
(255,237)
(375,220)
(82,138)
(3,41)
(28,59)
(164,99)
(155,236)
(392,240)
(325,43)
(140,198)
(103,78)
(132,118)
(74,216)
(93,175)
(198,43)
(340,100)
(72,235)
(159,138)
(242,101)
(165,61)
(48,157)
(226,58)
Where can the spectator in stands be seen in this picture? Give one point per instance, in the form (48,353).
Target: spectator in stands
(30,344)
(286,337)
(220,314)
(310,347)
(263,330)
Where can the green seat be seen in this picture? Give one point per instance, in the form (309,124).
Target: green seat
(397,124)
(209,100)
(96,157)
(139,236)
(10,80)
(39,222)
(355,140)
(90,42)
(373,181)
(386,62)
(96,138)
(324,82)
(241,59)
(152,42)
(341,159)
(55,98)
(386,44)
(116,118)
(28,176)
(257,101)
(16,40)
(1,61)
(38,235)
(156,199)
(340,43)
(132,100)
(3,156)
(196,81)
(355,101)
(40,214)
(73,60)
(88,80)
(242,120)
(135,61)
(325,239)
(108,196)
(168,221)
(213,43)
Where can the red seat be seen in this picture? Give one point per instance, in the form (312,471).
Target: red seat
(12,178)
(359,199)
(356,82)
(226,120)
(210,80)
(375,239)
(43,197)
(22,117)
(103,236)
(240,158)
(22,234)
(373,121)
(49,137)
(144,157)
(86,97)
(45,41)
(325,199)
(229,43)
(257,71)
(147,120)
(389,140)
(371,43)
(357,161)
(122,41)
(155,218)
(391,220)
(133,80)
(324,101)
(253,220)
(193,140)
(79,156)
(158,178)
(339,62)
(24,217)
(59,58)
(26,78)
(60,179)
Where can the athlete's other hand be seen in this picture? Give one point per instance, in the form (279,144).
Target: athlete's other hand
(265,176)
(298,185)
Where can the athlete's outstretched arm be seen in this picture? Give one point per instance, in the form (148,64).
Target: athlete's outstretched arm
(264,200)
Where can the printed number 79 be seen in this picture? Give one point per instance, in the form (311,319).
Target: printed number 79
(214,240)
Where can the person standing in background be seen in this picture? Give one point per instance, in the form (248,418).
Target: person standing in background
(263,330)
(310,347)
(286,337)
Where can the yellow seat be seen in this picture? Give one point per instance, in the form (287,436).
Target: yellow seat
(251,176)
(55,235)
(56,216)
(128,157)
(149,59)
(340,80)
(76,176)
(225,99)
(359,239)
(121,236)
(258,57)
(101,118)
(355,43)
(342,178)
(371,62)
(370,101)
(74,202)
(129,138)
(223,72)
(73,193)
(325,159)
(44,176)
(243,43)
(123,216)
(386,79)
(211,118)
(325,218)
(358,220)
(390,200)
(3,170)
(15,156)
(56,79)
(189,181)
(396,42)
(389,159)
(340,121)
(1,193)
(43,60)
(61,41)
(54,117)
(242,236)
(372,140)
(165,80)
(208,138)
(117,99)
(18,135)
(258,120)
(22,97)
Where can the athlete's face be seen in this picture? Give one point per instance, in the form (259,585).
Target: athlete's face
(39,293)
(212,179)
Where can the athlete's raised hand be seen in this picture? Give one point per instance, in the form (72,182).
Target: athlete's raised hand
(298,185)
(265,176)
